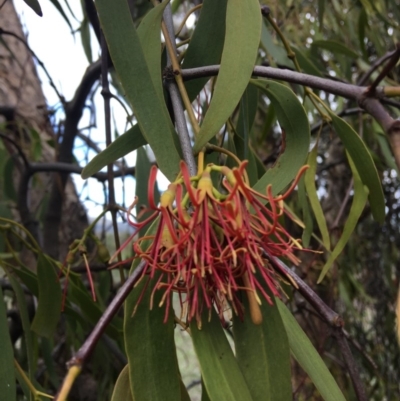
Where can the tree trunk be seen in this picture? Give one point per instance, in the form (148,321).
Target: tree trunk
(29,138)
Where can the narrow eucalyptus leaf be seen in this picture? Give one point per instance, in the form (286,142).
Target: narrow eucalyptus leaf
(124,144)
(237,63)
(35,6)
(296,136)
(131,65)
(50,296)
(220,370)
(364,164)
(263,354)
(308,357)
(7,376)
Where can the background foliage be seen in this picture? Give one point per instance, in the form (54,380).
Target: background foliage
(339,118)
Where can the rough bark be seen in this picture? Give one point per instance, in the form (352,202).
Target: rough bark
(23,112)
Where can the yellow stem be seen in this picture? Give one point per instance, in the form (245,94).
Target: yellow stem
(391,91)
(255,311)
(31,387)
(179,80)
(186,17)
(200,163)
(69,380)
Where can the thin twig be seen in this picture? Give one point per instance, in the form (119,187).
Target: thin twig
(87,347)
(331,317)
(388,67)
(107,121)
(364,78)
(176,101)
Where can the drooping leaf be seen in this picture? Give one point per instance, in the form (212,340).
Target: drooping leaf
(85,38)
(306,212)
(321,11)
(7,376)
(136,78)
(149,342)
(204,394)
(122,389)
(79,295)
(364,164)
(247,114)
(57,5)
(335,47)
(26,324)
(308,357)
(124,144)
(237,63)
(150,347)
(220,371)
(263,354)
(296,136)
(306,64)
(35,6)
(149,37)
(357,207)
(309,181)
(50,296)
(273,49)
(8,179)
(206,43)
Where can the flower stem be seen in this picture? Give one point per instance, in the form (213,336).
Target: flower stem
(255,311)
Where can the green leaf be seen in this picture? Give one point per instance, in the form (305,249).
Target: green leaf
(308,357)
(26,324)
(140,85)
(7,376)
(306,63)
(309,181)
(149,342)
(85,38)
(204,395)
(57,5)
(50,296)
(8,179)
(321,10)
(296,136)
(150,347)
(364,164)
(357,207)
(122,390)
(206,43)
(335,47)
(237,63)
(274,49)
(263,354)
(35,6)
(143,167)
(79,295)
(220,370)
(184,393)
(306,212)
(149,37)
(124,144)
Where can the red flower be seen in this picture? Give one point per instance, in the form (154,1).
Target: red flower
(209,246)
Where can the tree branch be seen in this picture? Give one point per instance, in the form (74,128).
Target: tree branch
(87,347)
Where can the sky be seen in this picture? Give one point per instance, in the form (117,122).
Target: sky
(62,53)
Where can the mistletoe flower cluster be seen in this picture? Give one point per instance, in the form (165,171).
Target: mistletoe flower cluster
(210,246)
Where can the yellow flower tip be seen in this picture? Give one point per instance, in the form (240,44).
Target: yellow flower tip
(166,238)
(228,173)
(205,183)
(168,197)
